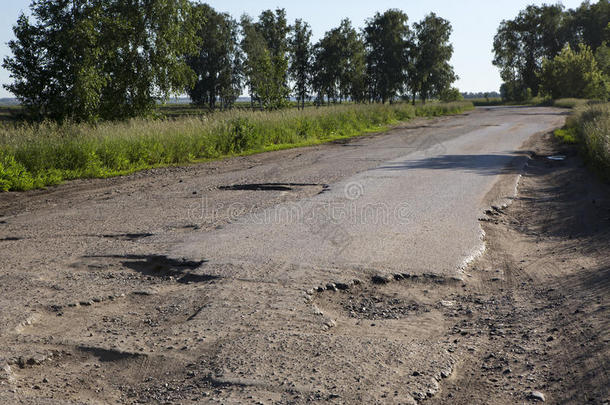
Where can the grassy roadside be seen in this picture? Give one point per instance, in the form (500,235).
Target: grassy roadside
(589,127)
(37,155)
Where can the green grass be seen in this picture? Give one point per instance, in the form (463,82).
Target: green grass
(589,127)
(567,135)
(569,102)
(38,155)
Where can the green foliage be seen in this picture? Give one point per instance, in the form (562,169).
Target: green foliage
(602,56)
(90,59)
(540,33)
(431,72)
(573,74)
(217,63)
(515,91)
(35,155)
(388,40)
(588,24)
(339,65)
(521,44)
(266,66)
(567,135)
(300,60)
(450,94)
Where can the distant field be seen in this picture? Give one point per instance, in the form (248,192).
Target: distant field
(485,101)
(185,109)
(10,112)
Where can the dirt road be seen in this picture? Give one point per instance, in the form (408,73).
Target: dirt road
(352,272)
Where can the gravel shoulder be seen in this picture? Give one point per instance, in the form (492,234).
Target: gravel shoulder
(94,310)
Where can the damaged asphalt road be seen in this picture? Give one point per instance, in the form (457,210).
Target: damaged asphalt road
(350,272)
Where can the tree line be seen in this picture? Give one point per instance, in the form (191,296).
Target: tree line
(550,51)
(114,59)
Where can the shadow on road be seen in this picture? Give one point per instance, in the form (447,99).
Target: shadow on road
(183,270)
(485,164)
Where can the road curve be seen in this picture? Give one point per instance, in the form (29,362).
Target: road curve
(415,213)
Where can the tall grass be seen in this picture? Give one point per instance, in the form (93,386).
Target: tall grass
(37,155)
(593,126)
(589,127)
(569,102)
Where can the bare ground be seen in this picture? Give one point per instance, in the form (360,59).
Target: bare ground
(90,314)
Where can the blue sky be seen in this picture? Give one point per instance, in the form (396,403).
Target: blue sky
(474,25)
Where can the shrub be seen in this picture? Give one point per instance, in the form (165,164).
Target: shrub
(573,74)
(449,95)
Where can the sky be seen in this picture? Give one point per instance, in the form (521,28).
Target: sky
(474,25)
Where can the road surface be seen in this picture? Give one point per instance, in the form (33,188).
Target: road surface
(414,213)
(200,283)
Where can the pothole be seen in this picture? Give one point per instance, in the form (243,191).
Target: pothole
(397,296)
(381,307)
(128,236)
(270,186)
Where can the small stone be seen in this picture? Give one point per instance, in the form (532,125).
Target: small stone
(419,396)
(536,396)
(356,281)
(446,373)
(331,323)
(342,286)
(86,303)
(145,292)
(331,287)
(381,279)
(416,373)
